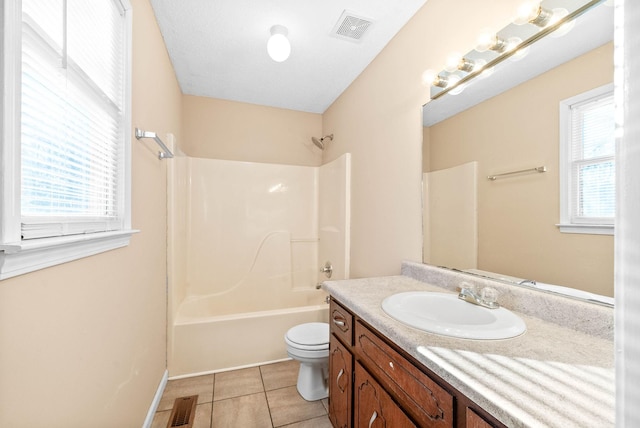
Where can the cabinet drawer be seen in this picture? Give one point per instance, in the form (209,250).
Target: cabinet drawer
(341,322)
(422,398)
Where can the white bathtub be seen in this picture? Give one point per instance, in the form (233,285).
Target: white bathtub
(246,243)
(206,344)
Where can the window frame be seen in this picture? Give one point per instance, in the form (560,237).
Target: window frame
(18,256)
(566,224)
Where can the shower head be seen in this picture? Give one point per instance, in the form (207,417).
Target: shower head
(319,142)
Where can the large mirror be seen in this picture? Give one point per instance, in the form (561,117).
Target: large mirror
(507,228)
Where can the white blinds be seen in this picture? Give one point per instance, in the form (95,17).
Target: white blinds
(593,161)
(72,113)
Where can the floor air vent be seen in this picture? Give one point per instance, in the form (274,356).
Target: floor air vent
(351,26)
(183,412)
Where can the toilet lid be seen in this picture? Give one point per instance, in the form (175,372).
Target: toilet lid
(309,334)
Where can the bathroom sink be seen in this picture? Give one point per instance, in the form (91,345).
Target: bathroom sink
(445,314)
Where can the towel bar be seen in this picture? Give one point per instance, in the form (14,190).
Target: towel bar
(165,153)
(536,169)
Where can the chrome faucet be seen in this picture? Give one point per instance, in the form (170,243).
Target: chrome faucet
(486,298)
(327,269)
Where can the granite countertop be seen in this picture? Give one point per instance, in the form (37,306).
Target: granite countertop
(552,376)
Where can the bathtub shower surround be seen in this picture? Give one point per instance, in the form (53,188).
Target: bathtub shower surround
(247,249)
(450,217)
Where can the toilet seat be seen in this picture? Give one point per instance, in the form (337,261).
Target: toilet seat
(310,336)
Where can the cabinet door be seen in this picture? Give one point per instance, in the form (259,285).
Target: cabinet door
(340,386)
(374,408)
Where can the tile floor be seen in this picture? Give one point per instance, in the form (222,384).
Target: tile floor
(256,397)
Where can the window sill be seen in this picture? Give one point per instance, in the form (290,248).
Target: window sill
(590,229)
(34,254)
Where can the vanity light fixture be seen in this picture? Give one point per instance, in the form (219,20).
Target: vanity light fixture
(452,62)
(440,81)
(449,81)
(533,13)
(466,65)
(564,28)
(536,20)
(278,45)
(520,53)
(492,42)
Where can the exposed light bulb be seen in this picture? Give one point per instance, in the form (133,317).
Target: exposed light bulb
(526,11)
(491,42)
(429,77)
(278,45)
(532,13)
(452,62)
(485,40)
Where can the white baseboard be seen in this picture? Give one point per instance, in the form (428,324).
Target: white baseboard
(227,369)
(156,400)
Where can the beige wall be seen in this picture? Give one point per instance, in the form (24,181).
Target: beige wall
(378,120)
(517,216)
(84,343)
(94,330)
(229,130)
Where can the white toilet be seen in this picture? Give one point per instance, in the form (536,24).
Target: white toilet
(309,344)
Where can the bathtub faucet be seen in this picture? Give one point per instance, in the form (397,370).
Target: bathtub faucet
(327,269)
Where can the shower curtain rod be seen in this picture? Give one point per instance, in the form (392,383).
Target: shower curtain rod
(165,153)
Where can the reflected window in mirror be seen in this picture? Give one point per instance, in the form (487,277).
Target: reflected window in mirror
(587,162)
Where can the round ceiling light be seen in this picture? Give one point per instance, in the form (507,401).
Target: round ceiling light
(278,45)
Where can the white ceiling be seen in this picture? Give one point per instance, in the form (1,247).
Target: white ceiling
(219,47)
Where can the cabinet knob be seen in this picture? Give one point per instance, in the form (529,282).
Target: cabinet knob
(391,365)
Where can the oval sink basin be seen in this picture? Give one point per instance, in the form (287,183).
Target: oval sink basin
(445,314)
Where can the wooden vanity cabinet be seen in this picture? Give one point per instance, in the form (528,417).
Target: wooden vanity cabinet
(340,366)
(374,384)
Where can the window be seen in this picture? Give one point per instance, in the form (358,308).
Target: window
(587,162)
(65,131)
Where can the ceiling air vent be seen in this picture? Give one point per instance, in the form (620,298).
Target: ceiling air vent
(351,27)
